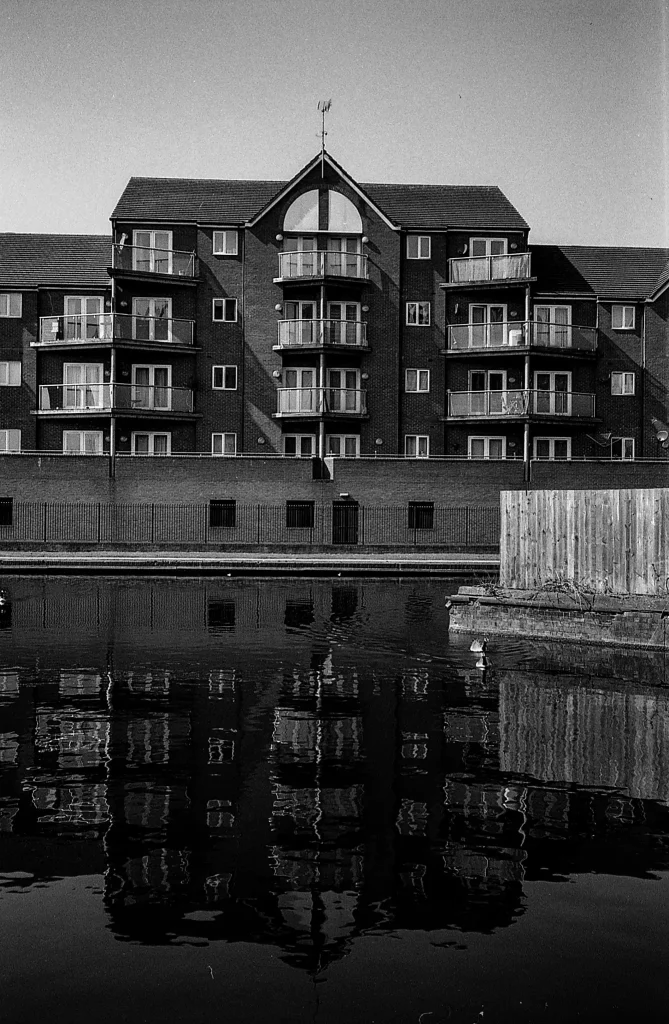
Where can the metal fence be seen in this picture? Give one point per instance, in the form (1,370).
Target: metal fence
(250,525)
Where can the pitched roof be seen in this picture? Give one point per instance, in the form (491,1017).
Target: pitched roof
(58,261)
(609,272)
(218,201)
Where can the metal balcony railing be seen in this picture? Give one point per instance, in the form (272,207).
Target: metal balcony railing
(146,260)
(520,403)
(471,269)
(298,333)
(84,328)
(72,398)
(317,401)
(322,263)
(518,334)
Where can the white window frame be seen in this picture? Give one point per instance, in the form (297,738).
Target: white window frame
(224,372)
(625,443)
(151,317)
(152,435)
(423,247)
(87,394)
(224,439)
(10,373)
(417,441)
(10,440)
(6,304)
(623,383)
(551,449)
(413,308)
(624,311)
(422,381)
(152,387)
(81,435)
(488,240)
(152,248)
(222,303)
(553,327)
(486,438)
(225,242)
(298,438)
(552,392)
(343,438)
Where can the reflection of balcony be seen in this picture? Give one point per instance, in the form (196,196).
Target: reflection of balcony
(321,333)
(322,263)
(513,334)
(518,404)
(321,402)
(140,260)
(482,269)
(106,328)
(94,399)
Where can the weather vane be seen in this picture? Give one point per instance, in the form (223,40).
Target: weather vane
(323,106)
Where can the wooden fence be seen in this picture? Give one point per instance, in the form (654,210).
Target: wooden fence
(612,542)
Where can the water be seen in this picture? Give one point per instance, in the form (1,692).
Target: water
(299,801)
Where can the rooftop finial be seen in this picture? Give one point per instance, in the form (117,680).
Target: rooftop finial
(323,106)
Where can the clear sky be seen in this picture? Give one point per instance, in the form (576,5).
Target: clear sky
(562,103)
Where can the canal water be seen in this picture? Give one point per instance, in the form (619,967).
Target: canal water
(300,801)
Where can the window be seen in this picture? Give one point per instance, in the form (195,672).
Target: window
(151,443)
(151,387)
(421,515)
(486,447)
(10,440)
(416,446)
(10,303)
(488,327)
(223,444)
(343,445)
(552,393)
(417,380)
(487,246)
(83,387)
(10,374)
(152,251)
(418,314)
(553,326)
(344,394)
(622,383)
(82,442)
(84,318)
(622,318)
(552,448)
(6,511)
(152,319)
(303,446)
(223,513)
(226,243)
(300,515)
(224,378)
(622,448)
(224,311)
(418,247)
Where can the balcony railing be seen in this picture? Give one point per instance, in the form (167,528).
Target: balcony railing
(144,260)
(518,334)
(298,333)
(319,401)
(520,403)
(322,263)
(73,398)
(472,269)
(90,327)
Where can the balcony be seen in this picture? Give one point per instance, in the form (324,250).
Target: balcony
(487,269)
(308,402)
(515,334)
(319,263)
(519,404)
(140,260)
(322,333)
(87,399)
(107,328)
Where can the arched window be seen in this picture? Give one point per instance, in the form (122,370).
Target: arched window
(342,215)
(302,214)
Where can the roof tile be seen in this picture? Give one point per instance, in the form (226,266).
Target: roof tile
(31,261)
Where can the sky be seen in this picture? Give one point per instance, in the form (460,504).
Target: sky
(563,104)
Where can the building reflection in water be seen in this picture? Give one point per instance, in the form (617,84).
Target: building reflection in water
(301,763)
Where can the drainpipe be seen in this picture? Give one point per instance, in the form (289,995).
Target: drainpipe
(112,372)
(321,380)
(526,427)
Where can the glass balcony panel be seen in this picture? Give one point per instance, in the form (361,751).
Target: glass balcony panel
(490,268)
(318,262)
(146,260)
(295,333)
(318,400)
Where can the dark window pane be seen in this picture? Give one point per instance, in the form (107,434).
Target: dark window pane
(300,514)
(6,511)
(223,513)
(299,614)
(421,515)
(221,615)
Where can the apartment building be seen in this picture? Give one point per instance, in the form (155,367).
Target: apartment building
(324,317)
